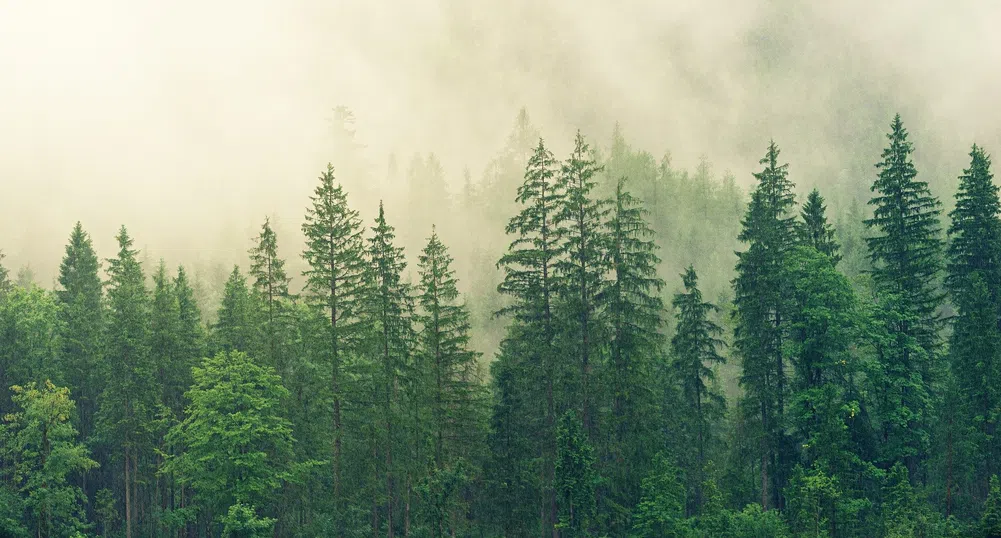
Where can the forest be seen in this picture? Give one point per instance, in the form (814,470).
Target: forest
(632,350)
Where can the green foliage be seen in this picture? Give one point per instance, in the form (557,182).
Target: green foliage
(236,444)
(235,326)
(760,310)
(990,521)
(41,445)
(82,314)
(242,521)
(695,345)
(905,249)
(815,231)
(576,478)
(661,510)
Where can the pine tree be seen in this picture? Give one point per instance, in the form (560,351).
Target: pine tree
(388,312)
(906,253)
(634,309)
(164,324)
(695,346)
(451,387)
(580,270)
(235,327)
(334,252)
(990,521)
(760,301)
(190,334)
(973,279)
(529,279)
(270,285)
(453,390)
(815,231)
(83,317)
(128,403)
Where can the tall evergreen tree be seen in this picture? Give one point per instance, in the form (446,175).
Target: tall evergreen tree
(974,279)
(634,309)
(905,249)
(83,317)
(760,301)
(452,389)
(190,334)
(128,403)
(695,344)
(389,311)
(529,279)
(235,327)
(164,323)
(581,268)
(334,280)
(270,283)
(814,230)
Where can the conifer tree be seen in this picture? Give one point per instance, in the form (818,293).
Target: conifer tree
(634,309)
(164,324)
(760,301)
(973,279)
(451,383)
(128,403)
(235,327)
(270,284)
(453,390)
(334,280)
(529,279)
(814,229)
(83,316)
(581,268)
(576,478)
(190,333)
(905,250)
(695,345)
(388,311)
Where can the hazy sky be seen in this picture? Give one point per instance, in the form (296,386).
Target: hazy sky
(190,120)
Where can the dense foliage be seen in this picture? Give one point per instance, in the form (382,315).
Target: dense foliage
(835,378)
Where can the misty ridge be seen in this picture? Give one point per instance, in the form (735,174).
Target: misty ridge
(445,268)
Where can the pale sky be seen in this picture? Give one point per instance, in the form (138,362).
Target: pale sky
(190,120)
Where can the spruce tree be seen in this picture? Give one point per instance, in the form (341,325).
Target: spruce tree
(576,478)
(451,382)
(83,316)
(190,332)
(388,312)
(235,327)
(814,229)
(634,311)
(129,400)
(581,268)
(5,283)
(334,281)
(696,346)
(760,301)
(164,324)
(530,281)
(905,250)
(973,280)
(270,285)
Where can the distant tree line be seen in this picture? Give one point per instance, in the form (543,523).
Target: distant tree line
(866,356)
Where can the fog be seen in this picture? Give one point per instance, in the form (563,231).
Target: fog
(190,121)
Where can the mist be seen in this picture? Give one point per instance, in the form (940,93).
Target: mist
(191,122)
